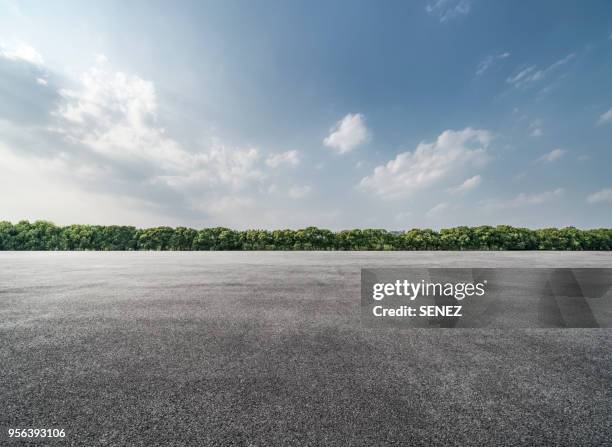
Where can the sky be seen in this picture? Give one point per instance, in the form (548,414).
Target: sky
(287,114)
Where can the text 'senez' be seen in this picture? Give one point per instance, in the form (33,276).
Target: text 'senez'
(486,297)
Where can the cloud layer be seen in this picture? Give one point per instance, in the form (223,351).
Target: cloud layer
(348,133)
(446,10)
(605,117)
(552,156)
(290,158)
(467,185)
(604,195)
(525,199)
(102,135)
(532,74)
(21,51)
(234,135)
(429,164)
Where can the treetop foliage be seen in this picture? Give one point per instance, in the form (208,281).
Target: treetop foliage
(43,235)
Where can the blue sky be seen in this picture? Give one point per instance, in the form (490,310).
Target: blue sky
(287,114)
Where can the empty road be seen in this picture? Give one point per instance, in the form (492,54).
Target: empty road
(266,349)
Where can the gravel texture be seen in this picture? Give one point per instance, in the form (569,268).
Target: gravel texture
(265,349)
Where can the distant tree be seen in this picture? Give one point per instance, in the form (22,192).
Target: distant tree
(210,239)
(43,235)
(228,240)
(8,236)
(40,235)
(158,238)
(182,239)
(256,240)
(419,239)
(79,237)
(282,239)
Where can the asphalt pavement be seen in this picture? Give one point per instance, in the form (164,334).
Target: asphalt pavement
(267,349)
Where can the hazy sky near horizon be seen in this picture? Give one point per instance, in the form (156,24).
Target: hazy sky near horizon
(274,114)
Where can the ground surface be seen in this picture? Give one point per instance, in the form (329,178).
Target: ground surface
(266,349)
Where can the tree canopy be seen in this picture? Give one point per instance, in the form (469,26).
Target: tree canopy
(44,235)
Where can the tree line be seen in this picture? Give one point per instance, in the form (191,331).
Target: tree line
(44,235)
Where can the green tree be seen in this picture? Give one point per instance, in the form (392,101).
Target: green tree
(157,238)
(183,239)
(43,235)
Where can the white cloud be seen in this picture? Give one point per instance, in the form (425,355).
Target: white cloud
(526,75)
(488,61)
(227,205)
(22,51)
(290,158)
(294,192)
(101,59)
(61,164)
(439,208)
(348,133)
(467,185)
(49,188)
(299,192)
(606,117)
(219,166)
(525,199)
(114,114)
(429,163)
(551,156)
(562,61)
(446,10)
(604,195)
(41,81)
(532,74)
(535,128)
